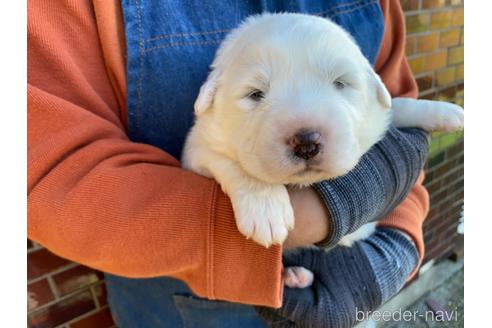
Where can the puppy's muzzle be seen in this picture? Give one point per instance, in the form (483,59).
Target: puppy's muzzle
(306,144)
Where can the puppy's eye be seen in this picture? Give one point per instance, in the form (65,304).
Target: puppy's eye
(256,95)
(339,84)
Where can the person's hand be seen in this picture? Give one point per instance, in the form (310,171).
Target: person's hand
(380,182)
(348,281)
(312,218)
(329,210)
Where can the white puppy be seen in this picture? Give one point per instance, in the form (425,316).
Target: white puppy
(291,100)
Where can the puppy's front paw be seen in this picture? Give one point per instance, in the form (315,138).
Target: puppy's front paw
(446,118)
(297,277)
(264,214)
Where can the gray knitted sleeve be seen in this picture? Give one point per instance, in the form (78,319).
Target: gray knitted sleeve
(381,181)
(349,282)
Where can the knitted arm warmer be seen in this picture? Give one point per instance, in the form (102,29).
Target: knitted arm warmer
(349,282)
(381,180)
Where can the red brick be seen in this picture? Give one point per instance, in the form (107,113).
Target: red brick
(445,204)
(62,312)
(428,230)
(452,177)
(460,90)
(454,167)
(442,169)
(430,222)
(417,64)
(458,199)
(452,230)
(100,319)
(456,55)
(75,278)
(449,238)
(428,233)
(456,149)
(456,209)
(431,244)
(417,23)
(431,4)
(449,38)
(429,96)
(447,94)
(434,187)
(436,60)
(446,76)
(432,213)
(435,198)
(436,159)
(38,293)
(457,190)
(450,215)
(459,185)
(411,45)
(432,217)
(443,218)
(441,20)
(438,252)
(460,72)
(458,17)
(42,261)
(425,82)
(428,42)
(429,176)
(408,5)
(428,237)
(460,160)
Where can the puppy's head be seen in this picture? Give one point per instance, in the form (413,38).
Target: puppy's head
(294,98)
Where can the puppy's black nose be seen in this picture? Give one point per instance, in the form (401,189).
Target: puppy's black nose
(306,144)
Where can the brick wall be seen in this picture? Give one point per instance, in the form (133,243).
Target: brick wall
(435,51)
(64,294)
(68,295)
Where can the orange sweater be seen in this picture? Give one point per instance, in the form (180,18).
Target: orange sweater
(127,208)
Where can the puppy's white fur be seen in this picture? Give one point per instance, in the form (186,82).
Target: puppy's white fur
(295,60)
(312,76)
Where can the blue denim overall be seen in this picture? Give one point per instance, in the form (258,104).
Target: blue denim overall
(170,45)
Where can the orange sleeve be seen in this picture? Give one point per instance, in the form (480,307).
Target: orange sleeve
(395,72)
(126,208)
(391,63)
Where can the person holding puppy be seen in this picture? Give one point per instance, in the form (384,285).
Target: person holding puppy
(105,188)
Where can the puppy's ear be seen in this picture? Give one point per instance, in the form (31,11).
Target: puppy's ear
(382,94)
(207,93)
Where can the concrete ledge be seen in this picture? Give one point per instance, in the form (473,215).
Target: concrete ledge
(430,277)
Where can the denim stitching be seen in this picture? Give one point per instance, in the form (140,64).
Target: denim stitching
(164,36)
(190,43)
(353,9)
(335,12)
(344,6)
(141,68)
(330,13)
